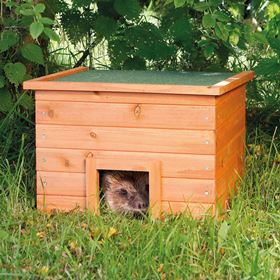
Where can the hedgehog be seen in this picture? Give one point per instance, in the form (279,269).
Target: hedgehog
(126,192)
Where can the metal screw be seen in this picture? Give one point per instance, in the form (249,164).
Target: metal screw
(45,183)
(44,160)
(206,118)
(44,136)
(206,168)
(206,142)
(206,193)
(43,115)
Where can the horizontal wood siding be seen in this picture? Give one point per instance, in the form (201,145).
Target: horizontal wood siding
(173,189)
(125,139)
(125,97)
(228,104)
(125,115)
(188,190)
(59,183)
(62,203)
(230,143)
(173,165)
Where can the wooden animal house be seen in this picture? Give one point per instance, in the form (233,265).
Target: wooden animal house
(186,129)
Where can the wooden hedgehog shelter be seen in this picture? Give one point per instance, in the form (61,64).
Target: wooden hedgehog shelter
(186,129)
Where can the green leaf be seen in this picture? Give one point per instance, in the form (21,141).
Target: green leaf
(221,31)
(105,26)
(39,8)
(208,21)
(128,8)
(272,10)
(275,44)
(46,20)
(15,72)
(222,233)
(201,7)
(27,102)
(268,66)
(29,11)
(2,81)
(36,29)
(32,53)
(179,3)
(51,34)
(221,16)
(260,37)
(6,104)
(9,39)
(234,38)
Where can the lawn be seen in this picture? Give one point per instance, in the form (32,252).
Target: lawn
(244,245)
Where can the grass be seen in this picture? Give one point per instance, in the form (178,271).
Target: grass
(36,245)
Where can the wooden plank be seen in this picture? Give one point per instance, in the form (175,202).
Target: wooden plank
(155,189)
(121,87)
(234,147)
(171,189)
(92,185)
(188,190)
(30,84)
(234,82)
(228,104)
(173,165)
(196,210)
(58,183)
(226,182)
(125,115)
(230,129)
(125,139)
(62,203)
(125,97)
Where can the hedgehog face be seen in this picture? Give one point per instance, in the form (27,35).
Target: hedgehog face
(127,192)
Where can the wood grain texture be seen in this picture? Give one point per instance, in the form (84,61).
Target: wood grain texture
(31,83)
(226,180)
(188,190)
(155,189)
(125,139)
(125,115)
(231,128)
(92,184)
(233,148)
(228,104)
(125,97)
(234,82)
(62,203)
(173,165)
(196,210)
(161,189)
(58,183)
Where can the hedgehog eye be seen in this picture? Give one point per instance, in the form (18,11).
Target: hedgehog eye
(123,192)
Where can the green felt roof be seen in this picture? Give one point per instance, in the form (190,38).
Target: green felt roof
(148,77)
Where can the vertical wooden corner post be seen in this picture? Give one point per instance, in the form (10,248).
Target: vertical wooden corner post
(96,163)
(92,185)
